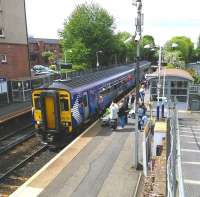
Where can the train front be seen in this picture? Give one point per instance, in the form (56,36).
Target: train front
(52,115)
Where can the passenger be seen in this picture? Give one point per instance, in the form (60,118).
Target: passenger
(131,100)
(126,100)
(114,114)
(122,113)
(101,107)
(144,121)
(142,93)
(141,113)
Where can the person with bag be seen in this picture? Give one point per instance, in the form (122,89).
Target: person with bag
(113,114)
(122,114)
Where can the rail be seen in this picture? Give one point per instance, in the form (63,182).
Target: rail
(179,167)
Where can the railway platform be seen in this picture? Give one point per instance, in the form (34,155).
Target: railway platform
(189,127)
(98,163)
(13,110)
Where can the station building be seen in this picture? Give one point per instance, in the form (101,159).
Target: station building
(39,45)
(176,86)
(13,40)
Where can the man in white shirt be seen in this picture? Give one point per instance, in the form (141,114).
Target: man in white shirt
(114,114)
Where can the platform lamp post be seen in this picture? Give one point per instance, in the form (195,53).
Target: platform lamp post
(97,56)
(138,32)
(158,86)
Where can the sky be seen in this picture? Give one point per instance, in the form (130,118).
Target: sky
(163,19)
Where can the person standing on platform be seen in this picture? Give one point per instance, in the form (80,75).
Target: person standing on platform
(142,93)
(126,100)
(113,114)
(122,114)
(141,112)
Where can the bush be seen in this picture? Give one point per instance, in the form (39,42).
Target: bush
(80,67)
(170,66)
(52,67)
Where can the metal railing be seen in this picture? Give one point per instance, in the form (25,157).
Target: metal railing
(175,186)
(195,89)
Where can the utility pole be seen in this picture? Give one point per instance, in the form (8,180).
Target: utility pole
(159,84)
(138,32)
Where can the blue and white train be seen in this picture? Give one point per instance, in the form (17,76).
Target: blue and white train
(65,106)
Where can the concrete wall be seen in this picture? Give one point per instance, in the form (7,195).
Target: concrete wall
(13,21)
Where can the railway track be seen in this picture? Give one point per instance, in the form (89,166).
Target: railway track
(15,162)
(13,139)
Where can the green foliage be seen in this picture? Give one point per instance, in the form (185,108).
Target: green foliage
(48,57)
(124,47)
(198,42)
(52,67)
(80,67)
(170,66)
(194,74)
(89,29)
(150,52)
(148,40)
(184,46)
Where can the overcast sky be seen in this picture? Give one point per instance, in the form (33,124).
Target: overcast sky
(162,18)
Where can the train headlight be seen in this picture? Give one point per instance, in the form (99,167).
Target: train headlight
(65,124)
(38,122)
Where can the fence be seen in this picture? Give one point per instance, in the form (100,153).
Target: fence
(175,185)
(147,143)
(195,89)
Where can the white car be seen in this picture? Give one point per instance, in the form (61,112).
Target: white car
(40,70)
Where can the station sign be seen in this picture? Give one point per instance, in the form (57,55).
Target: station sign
(3,85)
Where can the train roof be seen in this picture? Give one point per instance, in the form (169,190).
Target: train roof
(95,78)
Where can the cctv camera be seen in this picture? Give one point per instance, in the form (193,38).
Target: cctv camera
(137,37)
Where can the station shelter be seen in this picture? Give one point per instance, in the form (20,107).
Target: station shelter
(20,89)
(174,86)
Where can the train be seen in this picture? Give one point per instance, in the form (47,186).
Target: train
(66,105)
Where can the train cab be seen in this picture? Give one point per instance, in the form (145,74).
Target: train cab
(52,114)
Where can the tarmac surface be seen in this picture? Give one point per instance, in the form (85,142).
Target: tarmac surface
(189,126)
(13,108)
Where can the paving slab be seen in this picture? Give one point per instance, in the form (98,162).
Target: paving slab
(104,168)
(189,127)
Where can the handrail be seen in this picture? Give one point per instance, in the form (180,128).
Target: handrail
(180,177)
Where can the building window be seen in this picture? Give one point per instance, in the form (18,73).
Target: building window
(1,9)
(2,33)
(3,58)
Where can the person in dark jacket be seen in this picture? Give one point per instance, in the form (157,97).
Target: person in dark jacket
(125,104)
(122,113)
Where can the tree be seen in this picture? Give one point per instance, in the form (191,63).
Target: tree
(150,52)
(89,27)
(198,42)
(48,57)
(184,46)
(125,49)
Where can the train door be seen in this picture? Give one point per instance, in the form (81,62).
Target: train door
(50,109)
(50,112)
(85,105)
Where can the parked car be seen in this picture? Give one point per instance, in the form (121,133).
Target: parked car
(41,70)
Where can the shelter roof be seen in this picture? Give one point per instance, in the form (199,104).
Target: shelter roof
(173,72)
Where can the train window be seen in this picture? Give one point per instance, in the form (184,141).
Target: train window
(37,103)
(64,105)
(85,100)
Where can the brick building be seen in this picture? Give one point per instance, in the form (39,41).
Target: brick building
(13,40)
(39,45)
